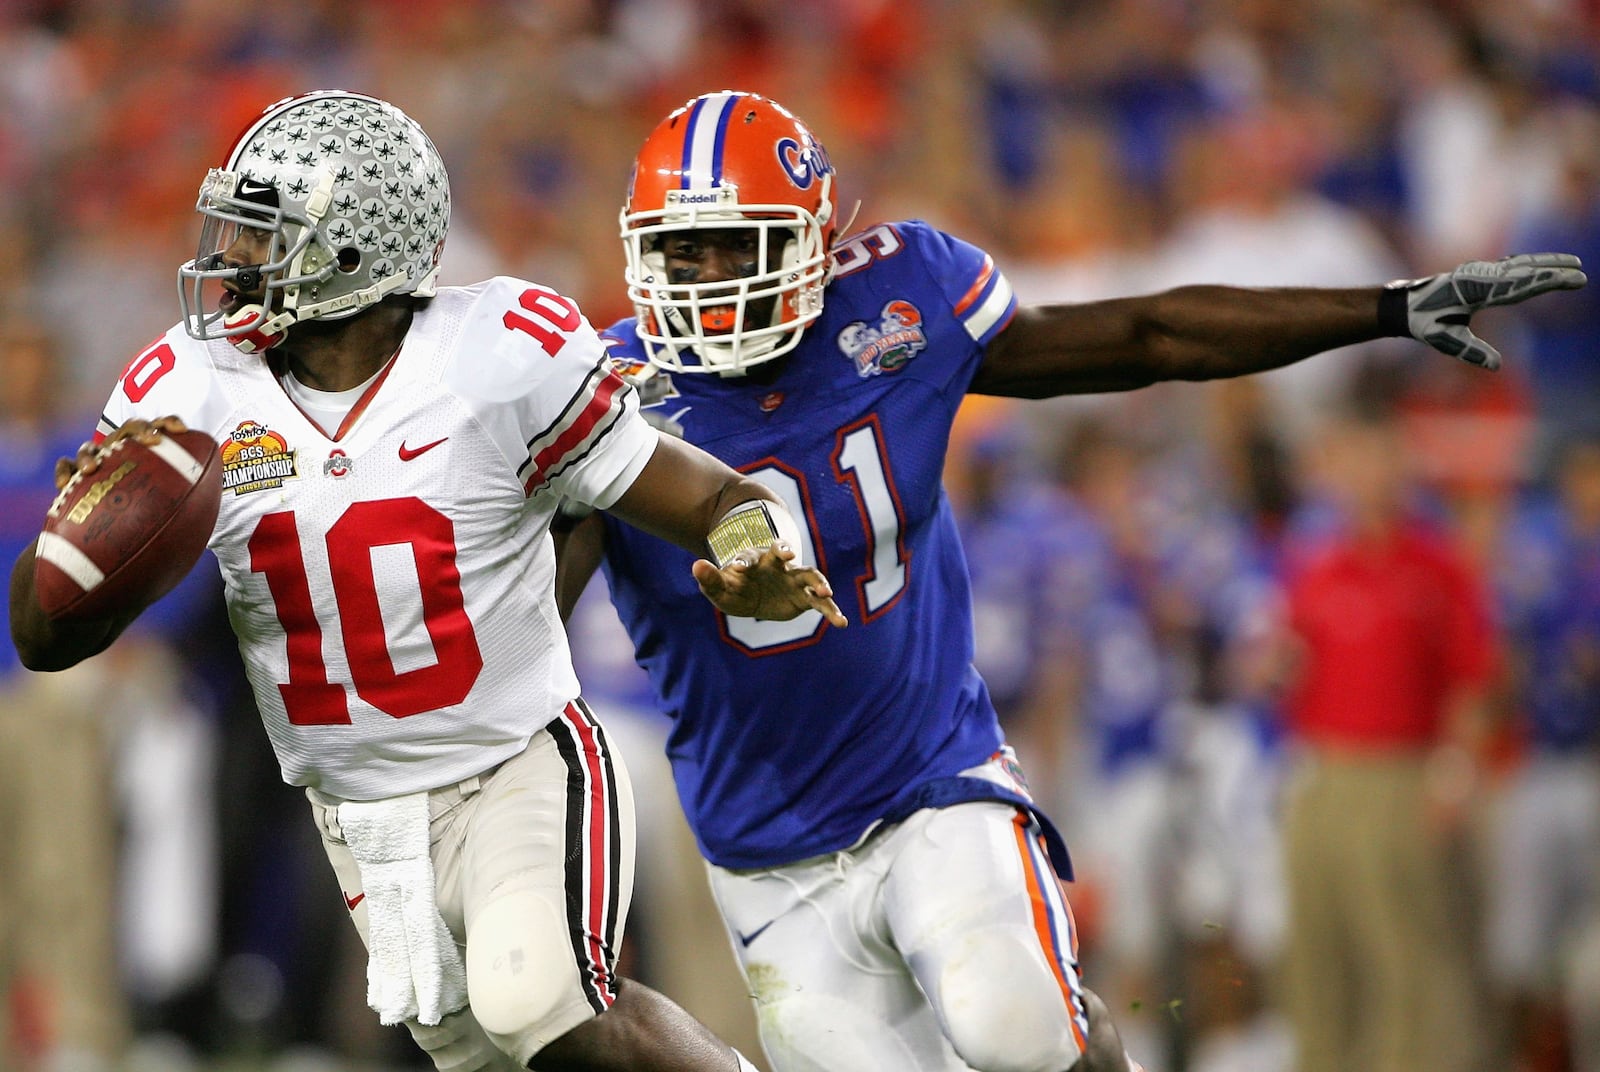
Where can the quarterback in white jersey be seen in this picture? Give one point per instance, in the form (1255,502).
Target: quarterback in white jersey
(417,514)
(392,456)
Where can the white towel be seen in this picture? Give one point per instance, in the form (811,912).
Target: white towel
(414,969)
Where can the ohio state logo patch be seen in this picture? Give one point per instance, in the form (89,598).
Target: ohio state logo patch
(338,464)
(887,345)
(255,458)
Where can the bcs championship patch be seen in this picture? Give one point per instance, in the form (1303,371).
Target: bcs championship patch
(255,458)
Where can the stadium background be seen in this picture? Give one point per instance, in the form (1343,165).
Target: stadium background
(162,897)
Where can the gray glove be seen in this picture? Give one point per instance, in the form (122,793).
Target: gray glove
(1436,309)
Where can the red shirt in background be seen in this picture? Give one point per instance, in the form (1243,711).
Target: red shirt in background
(1392,630)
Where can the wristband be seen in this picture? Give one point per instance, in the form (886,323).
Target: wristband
(752,525)
(1394,309)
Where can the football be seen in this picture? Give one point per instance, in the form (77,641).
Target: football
(125,535)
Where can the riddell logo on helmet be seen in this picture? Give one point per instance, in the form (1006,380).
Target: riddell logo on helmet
(724,195)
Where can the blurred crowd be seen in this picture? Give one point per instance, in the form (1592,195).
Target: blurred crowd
(1153,573)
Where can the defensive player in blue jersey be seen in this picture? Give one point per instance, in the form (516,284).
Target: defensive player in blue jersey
(890,889)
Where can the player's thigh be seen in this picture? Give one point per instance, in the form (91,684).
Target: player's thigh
(974,907)
(458,1043)
(545,879)
(831,993)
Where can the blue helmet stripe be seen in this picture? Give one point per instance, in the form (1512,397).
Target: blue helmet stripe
(688,144)
(703,138)
(721,141)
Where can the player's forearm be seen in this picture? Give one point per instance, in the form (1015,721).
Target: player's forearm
(682,493)
(1188,333)
(46,645)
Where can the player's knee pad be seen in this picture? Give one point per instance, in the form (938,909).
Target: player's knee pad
(459,1044)
(520,974)
(1003,1007)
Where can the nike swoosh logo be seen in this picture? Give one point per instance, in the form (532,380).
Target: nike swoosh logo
(406,453)
(351,902)
(746,939)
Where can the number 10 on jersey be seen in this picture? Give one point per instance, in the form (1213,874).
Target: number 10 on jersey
(309,698)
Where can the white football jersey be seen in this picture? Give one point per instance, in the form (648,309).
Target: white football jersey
(392,587)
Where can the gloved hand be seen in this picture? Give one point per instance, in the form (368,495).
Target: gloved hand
(1436,309)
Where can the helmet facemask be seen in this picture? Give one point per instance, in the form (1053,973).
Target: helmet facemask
(296,257)
(729,325)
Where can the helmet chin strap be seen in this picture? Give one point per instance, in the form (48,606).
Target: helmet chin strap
(267,333)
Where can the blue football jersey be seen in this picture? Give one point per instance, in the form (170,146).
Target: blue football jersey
(790,739)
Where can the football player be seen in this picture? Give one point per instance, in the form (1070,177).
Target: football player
(889,887)
(392,454)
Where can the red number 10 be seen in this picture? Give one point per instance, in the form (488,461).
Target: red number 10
(308,696)
(552,311)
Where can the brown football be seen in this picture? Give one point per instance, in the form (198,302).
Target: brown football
(125,535)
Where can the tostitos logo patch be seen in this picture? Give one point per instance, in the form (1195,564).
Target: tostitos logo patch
(884,346)
(255,458)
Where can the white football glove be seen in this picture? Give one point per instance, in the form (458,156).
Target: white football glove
(1436,309)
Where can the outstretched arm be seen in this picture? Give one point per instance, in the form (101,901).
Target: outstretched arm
(1212,332)
(684,495)
(682,492)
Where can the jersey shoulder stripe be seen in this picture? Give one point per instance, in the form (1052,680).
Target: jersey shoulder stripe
(989,301)
(622,342)
(591,413)
(978,294)
(979,285)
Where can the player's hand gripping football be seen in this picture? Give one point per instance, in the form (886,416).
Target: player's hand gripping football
(90,455)
(1438,307)
(767,585)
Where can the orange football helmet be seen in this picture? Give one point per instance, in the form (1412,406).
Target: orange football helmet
(729,160)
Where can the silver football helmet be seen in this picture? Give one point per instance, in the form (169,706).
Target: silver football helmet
(354,198)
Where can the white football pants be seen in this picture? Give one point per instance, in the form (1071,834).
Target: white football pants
(533,872)
(941,943)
